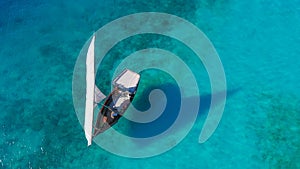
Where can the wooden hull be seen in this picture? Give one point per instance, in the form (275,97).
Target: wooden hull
(106,112)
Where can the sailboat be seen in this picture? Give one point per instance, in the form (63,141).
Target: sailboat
(124,89)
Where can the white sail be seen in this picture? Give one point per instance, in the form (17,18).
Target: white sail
(99,96)
(90,85)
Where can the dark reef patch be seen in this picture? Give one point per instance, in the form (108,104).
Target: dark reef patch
(279,131)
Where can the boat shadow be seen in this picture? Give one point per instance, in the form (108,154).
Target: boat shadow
(170,113)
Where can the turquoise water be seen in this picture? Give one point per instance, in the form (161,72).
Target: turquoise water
(258,44)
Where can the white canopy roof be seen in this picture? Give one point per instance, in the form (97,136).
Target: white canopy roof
(127,79)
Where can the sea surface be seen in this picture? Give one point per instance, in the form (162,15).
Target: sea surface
(258,45)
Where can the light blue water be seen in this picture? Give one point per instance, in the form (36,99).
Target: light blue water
(257,41)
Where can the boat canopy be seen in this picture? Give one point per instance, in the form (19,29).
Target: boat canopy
(127,81)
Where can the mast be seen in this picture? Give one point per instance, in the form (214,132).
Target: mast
(90,88)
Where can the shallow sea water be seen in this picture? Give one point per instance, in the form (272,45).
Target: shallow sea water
(258,44)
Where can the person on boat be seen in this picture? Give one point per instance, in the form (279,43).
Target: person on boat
(104,119)
(113,111)
(113,114)
(115,94)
